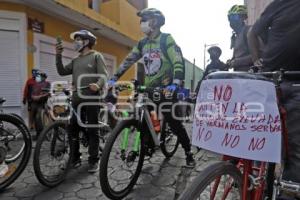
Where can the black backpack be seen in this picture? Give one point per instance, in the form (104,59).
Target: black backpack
(164,48)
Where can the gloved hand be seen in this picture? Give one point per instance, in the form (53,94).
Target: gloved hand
(112,82)
(172,88)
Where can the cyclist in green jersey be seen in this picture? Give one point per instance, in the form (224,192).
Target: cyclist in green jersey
(164,66)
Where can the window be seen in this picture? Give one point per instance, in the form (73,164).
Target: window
(95,4)
(90,3)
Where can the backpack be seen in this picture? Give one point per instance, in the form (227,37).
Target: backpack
(164,48)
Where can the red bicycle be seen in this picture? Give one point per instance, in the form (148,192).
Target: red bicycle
(238,178)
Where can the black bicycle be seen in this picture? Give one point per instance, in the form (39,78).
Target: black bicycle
(53,155)
(131,140)
(15,147)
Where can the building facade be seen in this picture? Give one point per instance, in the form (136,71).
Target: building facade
(29,28)
(192,75)
(255,8)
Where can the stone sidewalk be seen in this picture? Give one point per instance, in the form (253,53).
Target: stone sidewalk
(160,179)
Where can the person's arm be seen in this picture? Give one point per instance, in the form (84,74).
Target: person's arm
(176,58)
(132,58)
(25,92)
(61,69)
(260,27)
(101,70)
(236,63)
(254,47)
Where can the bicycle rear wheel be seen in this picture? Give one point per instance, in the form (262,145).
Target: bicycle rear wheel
(221,180)
(51,159)
(122,160)
(169,141)
(15,148)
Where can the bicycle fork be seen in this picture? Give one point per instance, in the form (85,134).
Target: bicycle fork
(124,142)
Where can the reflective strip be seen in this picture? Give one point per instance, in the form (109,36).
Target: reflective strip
(178,70)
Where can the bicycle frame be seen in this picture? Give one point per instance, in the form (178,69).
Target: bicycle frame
(144,116)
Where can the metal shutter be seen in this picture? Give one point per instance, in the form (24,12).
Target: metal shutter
(47,62)
(10,77)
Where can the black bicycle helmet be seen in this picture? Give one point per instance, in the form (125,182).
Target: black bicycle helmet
(215,48)
(152,12)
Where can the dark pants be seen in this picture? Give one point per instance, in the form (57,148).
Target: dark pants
(178,129)
(291,101)
(89,114)
(36,109)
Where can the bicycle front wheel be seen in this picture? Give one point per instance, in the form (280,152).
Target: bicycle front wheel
(221,180)
(15,148)
(122,160)
(168,141)
(51,158)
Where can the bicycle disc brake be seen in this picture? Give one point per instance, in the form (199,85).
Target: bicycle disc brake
(132,155)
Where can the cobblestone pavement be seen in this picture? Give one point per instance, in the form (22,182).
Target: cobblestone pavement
(160,179)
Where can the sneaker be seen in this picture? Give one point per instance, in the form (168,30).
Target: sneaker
(93,167)
(190,162)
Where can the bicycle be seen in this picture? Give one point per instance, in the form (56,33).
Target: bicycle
(131,140)
(53,155)
(246,179)
(15,147)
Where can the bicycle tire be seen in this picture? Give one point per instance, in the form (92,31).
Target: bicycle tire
(17,116)
(208,175)
(16,121)
(36,161)
(163,137)
(103,174)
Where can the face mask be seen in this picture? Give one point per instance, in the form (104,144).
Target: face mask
(38,79)
(78,45)
(145,27)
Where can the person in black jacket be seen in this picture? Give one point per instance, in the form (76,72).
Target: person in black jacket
(215,65)
(279,26)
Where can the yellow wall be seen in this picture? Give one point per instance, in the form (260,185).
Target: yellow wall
(129,20)
(54,27)
(117,7)
(110,9)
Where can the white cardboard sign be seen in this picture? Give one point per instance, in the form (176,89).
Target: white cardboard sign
(240,118)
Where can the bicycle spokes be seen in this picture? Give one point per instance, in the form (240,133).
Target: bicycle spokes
(222,188)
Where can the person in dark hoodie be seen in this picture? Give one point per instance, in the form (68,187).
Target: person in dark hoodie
(242,59)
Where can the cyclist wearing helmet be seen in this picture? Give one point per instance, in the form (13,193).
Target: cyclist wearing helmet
(215,65)
(91,65)
(241,60)
(163,63)
(279,25)
(39,97)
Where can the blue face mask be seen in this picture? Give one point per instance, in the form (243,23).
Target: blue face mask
(38,78)
(234,17)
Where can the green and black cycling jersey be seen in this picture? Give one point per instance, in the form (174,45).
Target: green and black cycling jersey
(160,69)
